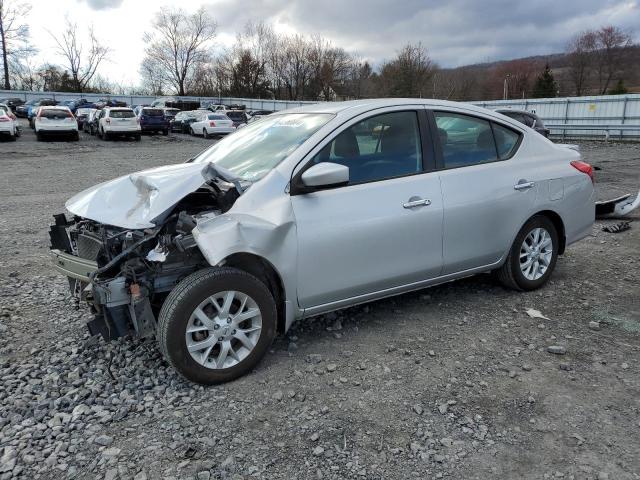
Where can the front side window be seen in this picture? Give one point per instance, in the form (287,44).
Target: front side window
(251,152)
(465,140)
(380,147)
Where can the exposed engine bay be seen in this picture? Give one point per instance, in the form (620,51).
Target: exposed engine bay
(125,274)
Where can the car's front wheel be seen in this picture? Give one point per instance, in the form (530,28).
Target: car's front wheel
(216,325)
(532,257)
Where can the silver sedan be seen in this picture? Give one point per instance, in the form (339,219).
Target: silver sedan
(316,209)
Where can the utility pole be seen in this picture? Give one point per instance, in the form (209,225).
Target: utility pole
(505,88)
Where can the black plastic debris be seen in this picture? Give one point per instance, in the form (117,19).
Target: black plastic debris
(617,227)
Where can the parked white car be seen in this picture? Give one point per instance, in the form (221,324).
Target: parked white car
(55,121)
(121,121)
(8,123)
(209,124)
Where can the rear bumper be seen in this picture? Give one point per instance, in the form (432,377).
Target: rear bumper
(154,128)
(69,131)
(122,131)
(6,128)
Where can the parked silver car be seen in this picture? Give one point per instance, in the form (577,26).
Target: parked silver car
(315,209)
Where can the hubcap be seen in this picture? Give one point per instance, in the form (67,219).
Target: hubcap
(536,253)
(223,330)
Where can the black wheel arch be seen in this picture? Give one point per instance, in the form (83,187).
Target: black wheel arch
(263,270)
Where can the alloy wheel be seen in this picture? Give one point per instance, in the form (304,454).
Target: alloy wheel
(223,330)
(536,253)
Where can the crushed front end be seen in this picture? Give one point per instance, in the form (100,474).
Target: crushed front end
(125,274)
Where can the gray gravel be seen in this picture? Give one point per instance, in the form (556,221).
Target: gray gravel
(452,382)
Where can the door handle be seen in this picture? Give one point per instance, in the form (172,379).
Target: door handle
(417,202)
(523,185)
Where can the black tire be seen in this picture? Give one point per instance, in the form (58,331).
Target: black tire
(39,137)
(205,134)
(104,136)
(18,132)
(510,273)
(76,137)
(191,132)
(183,300)
(165,132)
(137,137)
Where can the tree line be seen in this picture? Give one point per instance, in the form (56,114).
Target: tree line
(183,58)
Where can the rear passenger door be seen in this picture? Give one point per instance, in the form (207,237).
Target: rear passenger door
(486,194)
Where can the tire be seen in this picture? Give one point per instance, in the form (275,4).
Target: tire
(18,132)
(205,134)
(39,137)
(104,135)
(511,273)
(137,137)
(76,137)
(165,132)
(177,314)
(191,132)
(13,136)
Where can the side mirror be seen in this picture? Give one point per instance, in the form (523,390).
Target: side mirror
(324,175)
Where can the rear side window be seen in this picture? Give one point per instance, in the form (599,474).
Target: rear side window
(465,140)
(380,147)
(121,114)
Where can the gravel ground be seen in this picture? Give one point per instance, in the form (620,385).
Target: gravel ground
(456,381)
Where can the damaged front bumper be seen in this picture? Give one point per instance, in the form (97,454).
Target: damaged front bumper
(117,305)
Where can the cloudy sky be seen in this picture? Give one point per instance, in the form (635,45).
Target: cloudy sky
(456,32)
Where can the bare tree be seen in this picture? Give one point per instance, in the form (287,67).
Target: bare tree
(180,44)
(14,36)
(408,74)
(581,51)
(611,44)
(153,76)
(82,64)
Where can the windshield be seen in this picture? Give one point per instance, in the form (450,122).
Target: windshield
(251,152)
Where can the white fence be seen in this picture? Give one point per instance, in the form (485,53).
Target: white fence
(607,110)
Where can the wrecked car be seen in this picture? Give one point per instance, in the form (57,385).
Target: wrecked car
(309,211)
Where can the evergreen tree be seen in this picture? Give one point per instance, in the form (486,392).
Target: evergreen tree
(619,89)
(545,86)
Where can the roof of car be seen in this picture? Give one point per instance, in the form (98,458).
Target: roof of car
(118,108)
(358,106)
(54,107)
(513,110)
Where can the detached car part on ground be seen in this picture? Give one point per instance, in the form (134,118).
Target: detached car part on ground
(309,211)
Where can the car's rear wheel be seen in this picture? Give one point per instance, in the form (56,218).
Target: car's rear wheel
(205,134)
(216,325)
(39,137)
(104,135)
(532,257)
(137,137)
(76,136)
(165,132)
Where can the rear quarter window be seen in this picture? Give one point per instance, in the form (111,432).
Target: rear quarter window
(506,141)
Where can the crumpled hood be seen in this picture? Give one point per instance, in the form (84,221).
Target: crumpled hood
(135,200)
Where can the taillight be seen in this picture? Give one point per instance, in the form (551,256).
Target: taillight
(4,119)
(212,124)
(583,167)
(108,120)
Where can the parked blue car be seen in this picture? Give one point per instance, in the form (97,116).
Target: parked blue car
(152,119)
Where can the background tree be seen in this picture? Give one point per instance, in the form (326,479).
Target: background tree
(619,89)
(14,37)
(580,52)
(408,74)
(611,44)
(545,86)
(82,64)
(180,44)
